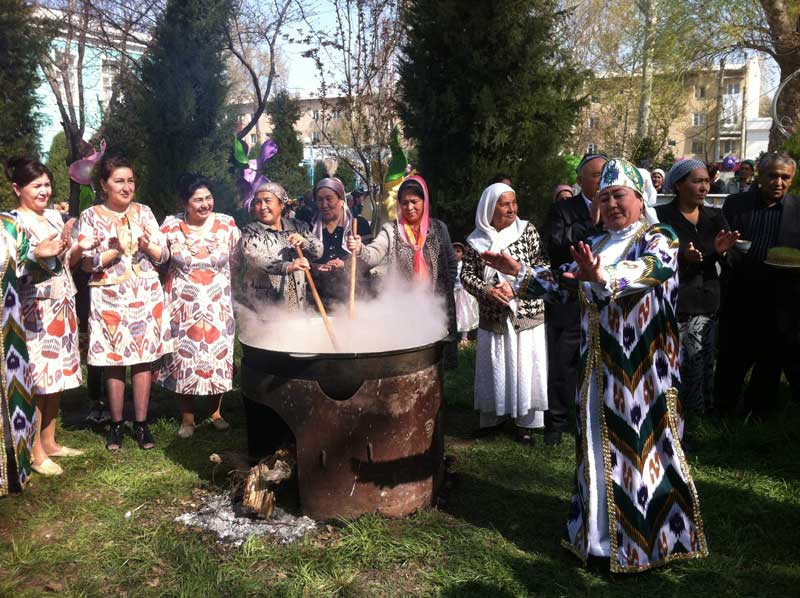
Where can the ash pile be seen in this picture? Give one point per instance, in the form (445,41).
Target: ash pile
(249,507)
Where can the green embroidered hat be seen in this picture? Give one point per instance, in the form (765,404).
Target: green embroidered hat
(621,173)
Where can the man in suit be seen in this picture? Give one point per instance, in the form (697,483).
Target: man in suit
(569,221)
(759,326)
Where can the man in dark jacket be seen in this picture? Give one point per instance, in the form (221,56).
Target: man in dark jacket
(569,221)
(759,326)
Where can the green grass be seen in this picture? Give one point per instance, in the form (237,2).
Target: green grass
(497,535)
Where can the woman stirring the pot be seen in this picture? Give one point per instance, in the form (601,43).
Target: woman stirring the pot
(272,272)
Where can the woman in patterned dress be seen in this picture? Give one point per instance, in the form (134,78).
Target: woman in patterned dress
(635,502)
(198,300)
(127,301)
(17,409)
(511,356)
(48,307)
(271,271)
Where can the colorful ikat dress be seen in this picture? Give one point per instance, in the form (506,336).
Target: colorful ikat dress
(48,311)
(17,410)
(635,500)
(126,324)
(199,306)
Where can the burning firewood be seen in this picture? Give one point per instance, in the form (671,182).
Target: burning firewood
(256,485)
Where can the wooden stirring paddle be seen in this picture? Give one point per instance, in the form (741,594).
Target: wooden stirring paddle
(320,307)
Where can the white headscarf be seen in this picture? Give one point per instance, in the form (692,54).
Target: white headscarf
(650,197)
(486,238)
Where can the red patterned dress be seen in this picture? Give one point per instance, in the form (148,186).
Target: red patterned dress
(48,312)
(126,324)
(199,306)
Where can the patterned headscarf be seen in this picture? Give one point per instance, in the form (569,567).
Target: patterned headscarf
(407,232)
(276,189)
(621,173)
(680,170)
(318,226)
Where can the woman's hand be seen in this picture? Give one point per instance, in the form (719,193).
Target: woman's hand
(297,240)
(300,263)
(50,247)
(725,240)
(497,294)
(354,244)
(144,241)
(330,266)
(693,255)
(124,237)
(589,267)
(66,233)
(87,242)
(502,262)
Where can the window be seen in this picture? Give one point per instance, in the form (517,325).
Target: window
(594,122)
(732,88)
(728,147)
(730,120)
(315,137)
(315,115)
(698,119)
(253,138)
(700,92)
(698,147)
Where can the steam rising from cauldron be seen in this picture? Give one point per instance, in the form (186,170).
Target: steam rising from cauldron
(403,316)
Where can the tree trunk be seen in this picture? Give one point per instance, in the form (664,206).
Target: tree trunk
(718,117)
(788,104)
(650,11)
(782,17)
(74,140)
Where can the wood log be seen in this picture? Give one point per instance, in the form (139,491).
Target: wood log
(259,486)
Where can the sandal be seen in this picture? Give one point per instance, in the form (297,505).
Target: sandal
(143,436)
(114,437)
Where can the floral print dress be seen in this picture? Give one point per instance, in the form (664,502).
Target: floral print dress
(48,312)
(199,306)
(126,325)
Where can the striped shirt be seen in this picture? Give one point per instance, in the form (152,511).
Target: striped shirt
(764,229)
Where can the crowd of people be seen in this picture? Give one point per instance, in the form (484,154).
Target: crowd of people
(632,313)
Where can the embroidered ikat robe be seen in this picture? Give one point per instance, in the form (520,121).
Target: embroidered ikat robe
(628,378)
(17,410)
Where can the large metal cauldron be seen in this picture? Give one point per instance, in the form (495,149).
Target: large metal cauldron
(367,427)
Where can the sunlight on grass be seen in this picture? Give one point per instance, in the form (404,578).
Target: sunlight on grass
(497,535)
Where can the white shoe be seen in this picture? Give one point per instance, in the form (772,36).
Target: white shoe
(47,467)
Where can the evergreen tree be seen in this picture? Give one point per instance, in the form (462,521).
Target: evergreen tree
(57,159)
(179,106)
(284,167)
(20,47)
(486,88)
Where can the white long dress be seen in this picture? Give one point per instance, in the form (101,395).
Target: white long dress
(511,376)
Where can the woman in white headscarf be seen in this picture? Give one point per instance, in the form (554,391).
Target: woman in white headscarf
(511,366)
